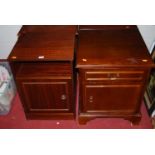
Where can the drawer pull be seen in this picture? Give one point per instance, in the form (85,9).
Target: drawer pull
(63,97)
(113,76)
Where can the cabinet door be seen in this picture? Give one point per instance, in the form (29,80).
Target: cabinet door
(111,98)
(45,95)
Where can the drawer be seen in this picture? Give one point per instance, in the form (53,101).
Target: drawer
(101,75)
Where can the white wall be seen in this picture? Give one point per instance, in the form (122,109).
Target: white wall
(8,37)
(148,34)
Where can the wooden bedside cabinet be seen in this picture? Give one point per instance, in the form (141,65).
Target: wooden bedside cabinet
(113,64)
(42,64)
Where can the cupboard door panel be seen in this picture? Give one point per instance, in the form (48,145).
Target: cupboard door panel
(41,96)
(111,98)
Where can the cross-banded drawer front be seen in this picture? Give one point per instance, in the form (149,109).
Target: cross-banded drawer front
(114,75)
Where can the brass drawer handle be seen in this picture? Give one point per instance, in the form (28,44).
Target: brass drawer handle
(113,76)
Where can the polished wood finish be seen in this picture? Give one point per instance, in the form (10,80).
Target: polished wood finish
(113,65)
(48,43)
(105,27)
(112,48)
(47,29)
(42,64)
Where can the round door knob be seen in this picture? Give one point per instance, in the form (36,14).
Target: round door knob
(63,97)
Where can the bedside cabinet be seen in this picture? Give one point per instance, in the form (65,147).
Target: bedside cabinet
(42,62)
(113,66)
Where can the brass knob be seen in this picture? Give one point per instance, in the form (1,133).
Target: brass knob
(63,97)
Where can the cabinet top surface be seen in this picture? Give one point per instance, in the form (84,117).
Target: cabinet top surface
(112,47)
(105,27)
(44,43)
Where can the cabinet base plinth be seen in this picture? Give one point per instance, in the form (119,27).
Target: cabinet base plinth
(52,116)
(84,118)
(135,120)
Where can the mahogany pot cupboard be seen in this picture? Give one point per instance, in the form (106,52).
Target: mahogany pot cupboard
(112,65)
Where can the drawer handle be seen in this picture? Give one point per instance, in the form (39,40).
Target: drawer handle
(113,76)
(63,97)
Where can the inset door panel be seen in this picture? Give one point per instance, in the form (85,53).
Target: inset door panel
(111,98)
(45,96)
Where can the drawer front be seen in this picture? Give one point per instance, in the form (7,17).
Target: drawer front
(114,75)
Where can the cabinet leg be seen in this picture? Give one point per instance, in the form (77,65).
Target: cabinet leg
(135,120)
(84,120)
